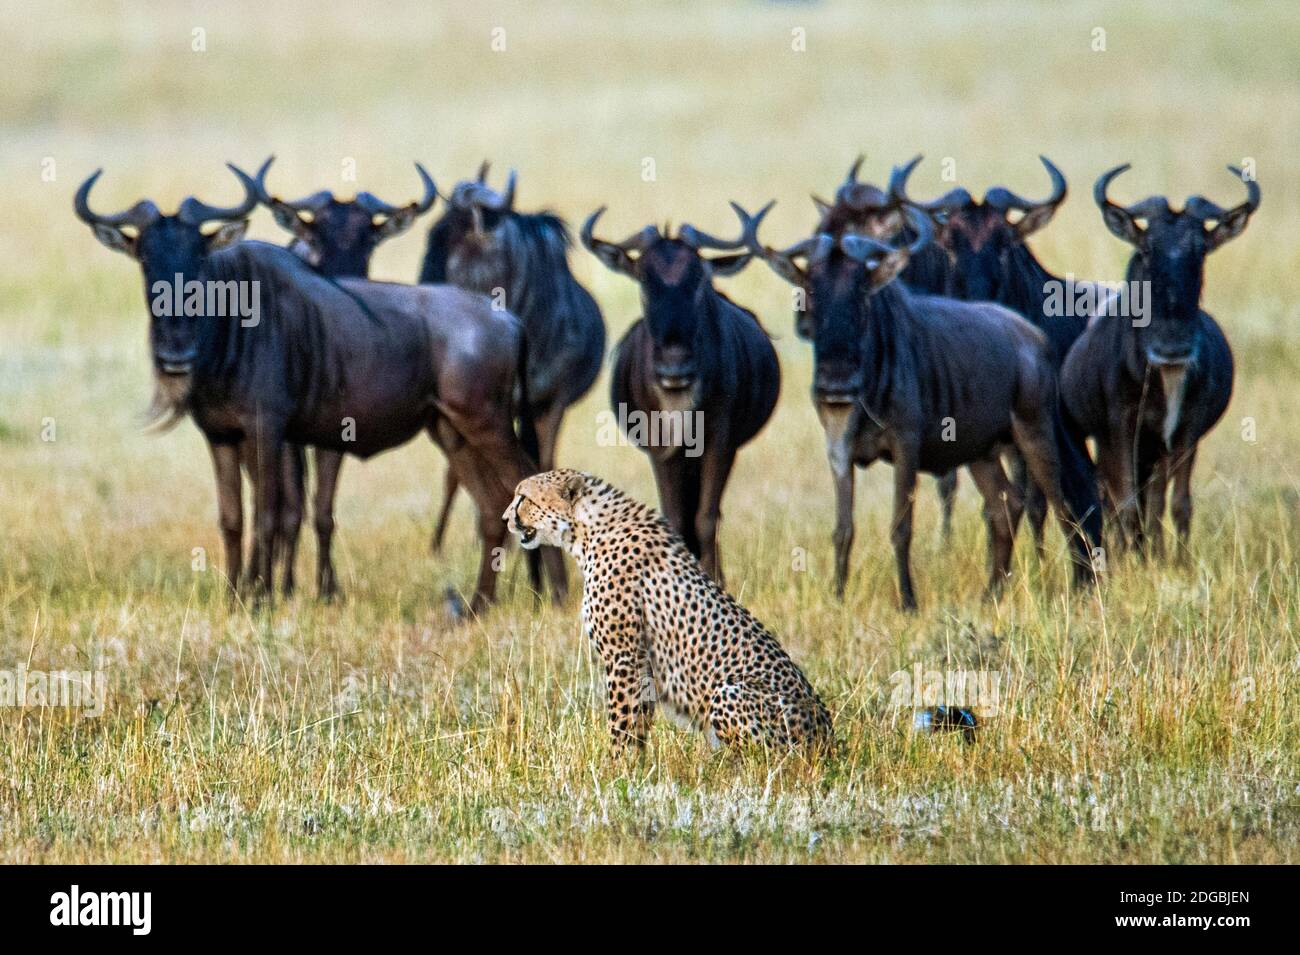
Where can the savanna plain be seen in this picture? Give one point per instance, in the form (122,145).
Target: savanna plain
(1155,720)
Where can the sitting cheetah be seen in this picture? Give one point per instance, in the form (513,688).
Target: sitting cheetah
(666,632)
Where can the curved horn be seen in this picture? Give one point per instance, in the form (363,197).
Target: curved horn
(698,239)
(636,242)
(950,201)
(862,248)
(483,168)
(139,215)
(196,212)
(851,179)
(496,201)
(313,203)
(1122,220)
(375,206)
(1204,209)
(1004,199)
(782,261)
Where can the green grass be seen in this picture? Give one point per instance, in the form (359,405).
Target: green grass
(1153,723)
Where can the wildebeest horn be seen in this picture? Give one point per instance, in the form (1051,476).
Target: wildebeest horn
(860,196)
(698,239)
(483,168)
(782,261)
(1005,199)
(1204,209)
(139,215)
(375,206)
(491,199)
(950,201)
(864,248)
(196,212)
(313,203)
(1121,220)
(615,255)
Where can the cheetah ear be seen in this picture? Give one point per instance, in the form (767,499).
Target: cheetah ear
(572,488)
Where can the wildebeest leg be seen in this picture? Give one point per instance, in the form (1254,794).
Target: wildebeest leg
(1154,484)
(265,462)
(230,509)
(1035,503)
(1002,505)
(328,466)
(490,502)
(670,480)
(1035,441)
(900,534)
(449,487)
(843,536)
(947,485)
(292,493)
(1180,507)
(714,471)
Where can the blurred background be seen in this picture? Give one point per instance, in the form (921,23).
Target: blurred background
(735,100)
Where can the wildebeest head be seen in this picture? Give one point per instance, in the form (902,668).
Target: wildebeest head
(676,280)
(838,276)
(859,207)
(169,248)
(981,237)
(338,236)
(1170,254)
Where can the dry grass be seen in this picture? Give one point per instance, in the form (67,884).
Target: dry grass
(1156,723)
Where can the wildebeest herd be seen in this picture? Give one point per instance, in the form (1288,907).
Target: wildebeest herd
(939,341)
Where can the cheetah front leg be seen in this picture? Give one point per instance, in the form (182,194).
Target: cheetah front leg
(630,697)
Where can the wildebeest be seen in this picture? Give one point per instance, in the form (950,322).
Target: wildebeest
(989,261)
(864,209)
(1148,388)
(337,237)
(695,362)
(521,259)
(349,365)
(931,384)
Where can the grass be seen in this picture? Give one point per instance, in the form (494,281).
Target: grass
(1155,722)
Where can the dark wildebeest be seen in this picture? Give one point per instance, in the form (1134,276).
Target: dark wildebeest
(1148,388)
(521,260)
(696,362)
(892,369)
(861,208)
(347,364)
(991,262)
(337,237)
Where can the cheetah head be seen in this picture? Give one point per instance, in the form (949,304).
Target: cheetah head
(543,511)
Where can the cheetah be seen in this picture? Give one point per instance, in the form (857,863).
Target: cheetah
(666,633)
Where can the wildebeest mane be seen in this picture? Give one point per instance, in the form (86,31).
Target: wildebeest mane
(1025,291)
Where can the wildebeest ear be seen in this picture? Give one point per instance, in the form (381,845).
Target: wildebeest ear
(1122,225)
(888,267)
(228,234)
(397,223)
(572,488)
(116,239)
(1229,227)
(729,264)
(616,260)
(1034,219)
(287,218)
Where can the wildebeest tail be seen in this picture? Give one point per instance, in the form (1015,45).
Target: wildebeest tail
(1079,488)
(527,423)
(532,446)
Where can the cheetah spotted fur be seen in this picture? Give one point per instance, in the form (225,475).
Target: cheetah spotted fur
(666,633)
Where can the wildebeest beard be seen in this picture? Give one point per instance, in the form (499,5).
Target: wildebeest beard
(170,402)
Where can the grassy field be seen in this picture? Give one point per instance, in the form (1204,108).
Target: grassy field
(1154,722)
